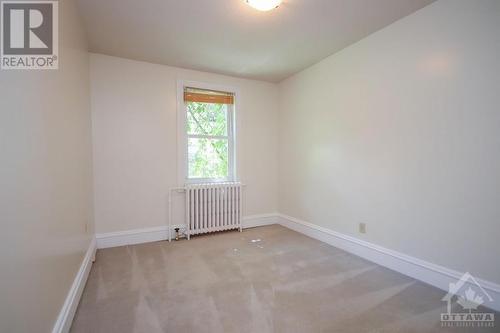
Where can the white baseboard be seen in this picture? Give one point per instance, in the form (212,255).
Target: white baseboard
(129,237)
(65,318)
(430,273)
(146,235)
(252,221)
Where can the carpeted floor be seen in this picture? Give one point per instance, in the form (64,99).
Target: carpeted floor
(266,279)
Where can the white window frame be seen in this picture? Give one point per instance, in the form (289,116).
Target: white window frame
(182,145)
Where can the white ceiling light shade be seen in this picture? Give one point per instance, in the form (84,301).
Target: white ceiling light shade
(264,5)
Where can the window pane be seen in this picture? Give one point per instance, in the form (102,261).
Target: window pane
(206,118)
(207,158)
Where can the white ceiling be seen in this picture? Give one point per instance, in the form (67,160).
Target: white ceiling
(229,37)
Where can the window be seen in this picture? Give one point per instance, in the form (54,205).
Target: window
(209,135)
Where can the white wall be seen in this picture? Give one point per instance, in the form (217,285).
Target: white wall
(134,118)
(45,182)
(401,131)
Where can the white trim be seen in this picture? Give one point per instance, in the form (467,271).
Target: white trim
(430,273)
(252,221)
(129,237)
(146,235)
(65,318)
(181,134)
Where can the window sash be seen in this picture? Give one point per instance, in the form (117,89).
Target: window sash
(231,175)
(207,136)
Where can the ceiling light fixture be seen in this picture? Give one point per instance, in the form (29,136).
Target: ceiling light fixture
(264,5)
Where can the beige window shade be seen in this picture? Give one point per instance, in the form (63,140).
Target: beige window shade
(207,96)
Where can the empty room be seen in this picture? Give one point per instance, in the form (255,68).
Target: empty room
(250,166)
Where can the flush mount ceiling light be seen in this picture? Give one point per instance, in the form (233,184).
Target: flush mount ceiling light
(264,5)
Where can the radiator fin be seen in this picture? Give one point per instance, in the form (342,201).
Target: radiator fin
(213,207)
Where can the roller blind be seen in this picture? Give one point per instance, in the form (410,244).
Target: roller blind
(207,96)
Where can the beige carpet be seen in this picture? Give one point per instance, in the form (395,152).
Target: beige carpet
(267,279)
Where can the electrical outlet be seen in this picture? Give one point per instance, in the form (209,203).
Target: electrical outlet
(362,228)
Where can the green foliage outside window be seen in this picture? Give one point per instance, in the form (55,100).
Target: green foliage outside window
(208,154)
